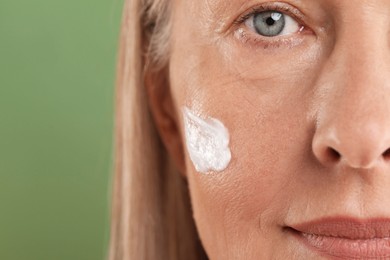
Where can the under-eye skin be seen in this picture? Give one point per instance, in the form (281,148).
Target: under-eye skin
(271,25)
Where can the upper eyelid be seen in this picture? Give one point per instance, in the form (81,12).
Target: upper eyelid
(284,8)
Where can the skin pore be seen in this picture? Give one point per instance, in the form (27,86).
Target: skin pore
(307,114)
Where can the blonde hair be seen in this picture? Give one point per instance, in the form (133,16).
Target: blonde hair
(151,214)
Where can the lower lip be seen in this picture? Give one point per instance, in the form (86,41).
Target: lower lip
(346,248)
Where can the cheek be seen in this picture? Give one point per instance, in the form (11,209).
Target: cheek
(242,201)
(247,196)
(245,204)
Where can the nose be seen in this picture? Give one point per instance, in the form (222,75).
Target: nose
(352,143)
(353,116)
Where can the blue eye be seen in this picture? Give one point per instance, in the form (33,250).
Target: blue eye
(272,23)
(269,23)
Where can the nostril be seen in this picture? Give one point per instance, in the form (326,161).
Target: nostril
(334,155)
(386,154)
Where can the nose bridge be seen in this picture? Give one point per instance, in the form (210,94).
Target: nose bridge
(359,82)
(362,48)
(360,54)
(353,122)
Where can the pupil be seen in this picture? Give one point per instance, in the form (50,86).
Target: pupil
(270,21)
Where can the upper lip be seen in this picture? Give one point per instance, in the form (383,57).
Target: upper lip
(346,227)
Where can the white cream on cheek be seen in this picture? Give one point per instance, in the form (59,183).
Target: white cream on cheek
(207,141)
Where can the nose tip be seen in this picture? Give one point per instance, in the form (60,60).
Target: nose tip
(361,148)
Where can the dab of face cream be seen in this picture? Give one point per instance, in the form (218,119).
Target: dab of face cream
(207,142)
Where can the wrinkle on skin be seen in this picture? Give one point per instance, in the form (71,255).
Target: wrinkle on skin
(212,12)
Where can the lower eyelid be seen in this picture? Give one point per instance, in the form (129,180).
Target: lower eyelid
(257,41)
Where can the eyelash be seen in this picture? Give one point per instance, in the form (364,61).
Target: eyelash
(269,42)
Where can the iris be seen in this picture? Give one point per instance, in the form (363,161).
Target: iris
(269,23)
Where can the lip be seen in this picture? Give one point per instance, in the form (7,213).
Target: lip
(345,237)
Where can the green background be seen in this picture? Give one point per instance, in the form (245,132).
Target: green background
(57,67)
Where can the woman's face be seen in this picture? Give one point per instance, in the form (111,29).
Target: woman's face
(298,91)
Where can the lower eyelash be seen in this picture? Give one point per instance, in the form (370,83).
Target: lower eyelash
(275,42)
